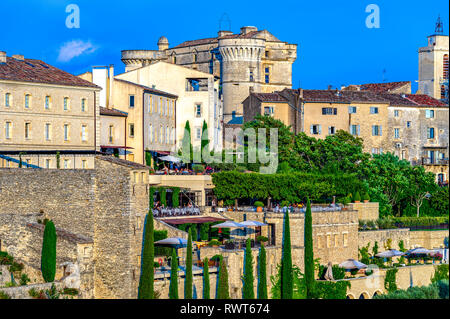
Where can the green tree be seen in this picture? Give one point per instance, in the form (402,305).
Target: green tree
(189,277)
(186,151)
(262,276)
(173,288)
(151,198)
(248,290)
(176,197)
(162,196)
(390,280)
(309,256)
(147,265)
(206,284)
(420,185)
(204,141)
(48,255)
(286,262)
(223,288)
(58,160)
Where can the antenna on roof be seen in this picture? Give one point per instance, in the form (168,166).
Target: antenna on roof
(384,75)
(439,26)
(225,18)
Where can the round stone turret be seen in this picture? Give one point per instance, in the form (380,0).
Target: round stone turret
(163,43)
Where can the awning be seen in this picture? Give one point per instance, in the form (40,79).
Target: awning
(110,146)
(192,220)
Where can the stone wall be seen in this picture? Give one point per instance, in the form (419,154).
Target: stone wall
(366,211)
(171,231)
(428,239)
(162,286)
(21,292)
(381,236)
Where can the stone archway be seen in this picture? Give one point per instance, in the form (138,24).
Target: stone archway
(364,295)
(377,293)
(350,296)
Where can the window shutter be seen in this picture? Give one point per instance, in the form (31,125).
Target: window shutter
(381,130)
(312,131)
(320,129)
(335,111)
(358,127)
(350,129)
(329,129)
(324,111)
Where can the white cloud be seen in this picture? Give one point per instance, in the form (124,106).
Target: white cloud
(75,48)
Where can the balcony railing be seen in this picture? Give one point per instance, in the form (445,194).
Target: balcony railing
(434,161)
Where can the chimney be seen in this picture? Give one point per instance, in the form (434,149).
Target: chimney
(2,57)
(223,33)
(18,57)
(330,87)
(251,89)
(111,85)
(247,29)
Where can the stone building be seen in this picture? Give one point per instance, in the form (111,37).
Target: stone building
(113,127)
(418,132)
(250,59)
(99,214)
(403,87)
(197,98)
(150,115)
(433,67)
(43,110)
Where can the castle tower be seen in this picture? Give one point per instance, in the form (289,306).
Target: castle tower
(241,61)
(433,65)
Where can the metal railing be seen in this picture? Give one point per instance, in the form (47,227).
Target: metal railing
(174,212)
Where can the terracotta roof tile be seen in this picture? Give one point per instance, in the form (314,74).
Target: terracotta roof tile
(112,112)
(122,162)
(423,99)
(383,87)
(269,97)
(36,71)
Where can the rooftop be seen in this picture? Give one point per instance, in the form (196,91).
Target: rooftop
(148,89)
(383,87)
(122,162)
(112,112)
(37,71)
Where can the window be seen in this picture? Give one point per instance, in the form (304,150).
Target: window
(160,106)
(268,110)
(319,241)
(66,163)
(150,133)
(83,105)
(329,111)
(161,134)
(251,77)
(396,133)
(316,129)
(266,74)
(131,101)
(166,107)
(198,110)
(8,127)
(27,130)
(430,132)
(154,105)
(373,110)
(27,101)
(345,239)
(169,102)
(408,124)
(376,130)
(331,130)
(47,102)
(83,164)
(111,134)
(7,99)
(47,132)
(66,132)
(47,163)
(131,130)
(266,78)
(66,104)
(445,67)
(429,114)
(266,54)
(328,241)
(352,109)
(84,133)
(355,129)
(396,113)
(198,133)
(336,240)
(195,57)
(173,136)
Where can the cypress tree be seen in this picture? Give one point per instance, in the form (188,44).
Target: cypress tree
(287,288)
(223,289)
(48,255)
(189,277)
(262,276)
(151,200)
(162,196)
(206,284)
(173,288)
(147,267)
(205,138)
(176,197)
(186,144)
(248,291)
(309,257)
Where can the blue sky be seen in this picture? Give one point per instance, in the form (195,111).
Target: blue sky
(334,45)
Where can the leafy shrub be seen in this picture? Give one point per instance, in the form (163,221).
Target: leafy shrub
(70,291)
(440,273)
(357,197)
(24,280)
(52,293)
(259,204)
(161,251)
(198,168)
(437,290)
(338,272)
(331,290)
(4,295)
(10,284)
(366,196)
(262,239)
(216,257)
(16,267)
(5,258)
(214,242)
(390,280)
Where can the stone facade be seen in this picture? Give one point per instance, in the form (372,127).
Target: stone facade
(101,211)
(382,236)
(428,239)
(252,58)
(366,211)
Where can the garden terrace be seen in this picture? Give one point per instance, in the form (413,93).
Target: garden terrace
(412,223)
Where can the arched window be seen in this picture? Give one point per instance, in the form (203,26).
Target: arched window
(445,68)
(150,133)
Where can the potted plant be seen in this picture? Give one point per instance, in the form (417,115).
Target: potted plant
(198,169)
(357,198)
(262,239)
(214,243)
(366,197)
(259,205)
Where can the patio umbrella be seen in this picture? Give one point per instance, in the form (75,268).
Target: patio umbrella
(173,242)
(170,158)
(252,223)
(352,264)
(329,273)
(228,224)
(418,251)
(389,253)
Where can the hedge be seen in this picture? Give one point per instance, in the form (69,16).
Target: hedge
(293,187)
(410,222)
